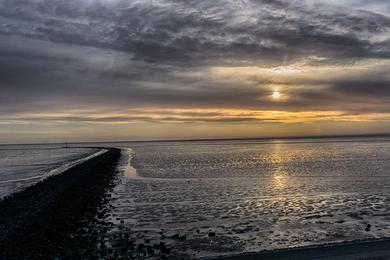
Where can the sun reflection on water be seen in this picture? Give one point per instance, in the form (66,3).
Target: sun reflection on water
(279,181)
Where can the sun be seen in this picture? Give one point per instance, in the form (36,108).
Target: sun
(276,95)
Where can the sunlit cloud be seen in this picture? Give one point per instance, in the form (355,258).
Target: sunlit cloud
(159,62)
(194,115)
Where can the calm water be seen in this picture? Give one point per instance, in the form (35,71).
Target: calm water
(24,165)
(252,195)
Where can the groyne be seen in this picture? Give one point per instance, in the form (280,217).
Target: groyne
(51,218)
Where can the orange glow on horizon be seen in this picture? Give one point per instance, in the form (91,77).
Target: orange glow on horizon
(197,115)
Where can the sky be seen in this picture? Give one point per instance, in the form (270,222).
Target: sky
(99,70)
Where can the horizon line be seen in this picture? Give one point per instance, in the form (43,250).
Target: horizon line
(210,139)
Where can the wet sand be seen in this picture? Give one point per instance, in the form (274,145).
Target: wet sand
(362,250)
(52,218)
(206,217)
(92,211)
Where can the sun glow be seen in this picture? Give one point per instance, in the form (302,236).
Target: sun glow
(276,95)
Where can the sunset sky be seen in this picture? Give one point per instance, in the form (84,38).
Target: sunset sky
(95,70)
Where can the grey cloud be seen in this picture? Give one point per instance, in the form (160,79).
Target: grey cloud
(61,54)
(198,31)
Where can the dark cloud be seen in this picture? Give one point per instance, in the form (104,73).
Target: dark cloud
(199,31)
(62,54)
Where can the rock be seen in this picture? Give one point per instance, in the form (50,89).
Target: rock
(140,247)
(211,234)
(164,249)
(157,246)
(368,228)
(150,250)
(176,236)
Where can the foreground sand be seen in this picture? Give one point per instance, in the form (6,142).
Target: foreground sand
(362,250)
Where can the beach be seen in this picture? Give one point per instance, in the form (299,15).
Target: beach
(293,199)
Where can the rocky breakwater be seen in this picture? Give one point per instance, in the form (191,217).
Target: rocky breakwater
(52,219)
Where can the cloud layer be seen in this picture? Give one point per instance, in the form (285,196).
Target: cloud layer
(118,60)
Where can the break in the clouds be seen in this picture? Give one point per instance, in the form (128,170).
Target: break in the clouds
(121,61)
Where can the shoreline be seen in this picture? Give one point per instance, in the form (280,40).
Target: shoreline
(51,218)
(363,135)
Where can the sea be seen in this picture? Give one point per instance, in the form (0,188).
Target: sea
(222,197)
